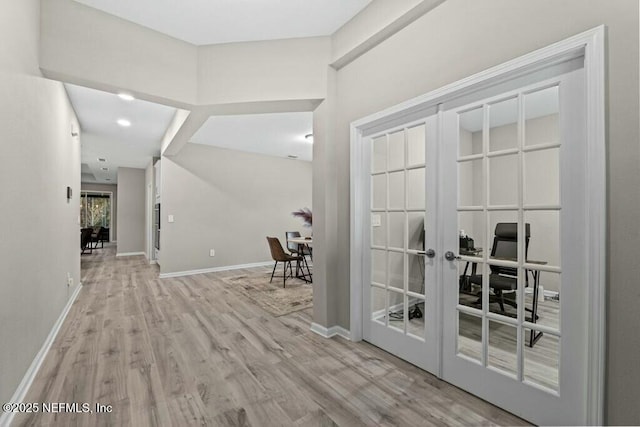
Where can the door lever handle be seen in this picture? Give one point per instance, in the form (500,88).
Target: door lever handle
(450,256)
(430,253)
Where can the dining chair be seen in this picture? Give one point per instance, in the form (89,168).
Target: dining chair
(279,255)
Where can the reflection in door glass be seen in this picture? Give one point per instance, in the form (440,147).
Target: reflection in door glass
(396,269)
(396,190)
(542,177)
(379,154)
(416,273)
(471,132)
(541,110)
(470,188)
(547,298)
(379,191)
(378,267)
(416,231)
(541,362)
(503,346)
(396,229)
(470,336)
(379,229)
(416,317)
(503,180)
(396,150)
(416,145)
(415,189)
(378,302)
(503,125)
(470,283)
(396,310)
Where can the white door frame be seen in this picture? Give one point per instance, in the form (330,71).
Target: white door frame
(589,44)
(110,193)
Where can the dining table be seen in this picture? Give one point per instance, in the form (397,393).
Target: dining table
(308,243)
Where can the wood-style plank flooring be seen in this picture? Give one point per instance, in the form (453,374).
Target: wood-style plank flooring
(190,351)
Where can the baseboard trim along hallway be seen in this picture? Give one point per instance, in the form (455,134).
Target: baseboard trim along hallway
(25,384)
(331,332)
(129,254)
(214,269)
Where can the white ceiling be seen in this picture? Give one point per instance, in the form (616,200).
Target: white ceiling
(203,22)
(102,137)
(277,134)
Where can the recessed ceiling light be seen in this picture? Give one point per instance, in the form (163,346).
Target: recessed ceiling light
(102,159)
(105,169)
(124,123)
(292,156)
(126,96)
(309,137)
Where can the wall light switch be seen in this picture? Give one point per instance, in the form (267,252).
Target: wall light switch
(212,252)
(375,221)
(171,219)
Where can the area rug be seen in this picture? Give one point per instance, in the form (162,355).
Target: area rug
(272,297)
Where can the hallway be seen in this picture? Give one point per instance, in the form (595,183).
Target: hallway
(190,351)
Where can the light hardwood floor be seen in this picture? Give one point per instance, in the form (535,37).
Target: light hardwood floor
(190,351)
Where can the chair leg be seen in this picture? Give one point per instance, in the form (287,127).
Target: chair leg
(284,275)
(274,271)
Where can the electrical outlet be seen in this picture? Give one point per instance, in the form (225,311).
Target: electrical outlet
(375,220)
(69,280)
(212,252)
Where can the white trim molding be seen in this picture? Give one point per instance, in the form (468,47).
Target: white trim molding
(7,417)
(331,332)
(214,269)
(589,45)
(121,254)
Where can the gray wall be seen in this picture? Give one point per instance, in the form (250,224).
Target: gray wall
(462,37)
(149,194)
(114,201)
(131,210)
(228,201)
(40,234)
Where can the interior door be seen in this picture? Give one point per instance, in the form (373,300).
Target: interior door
(400,309)
(514,224)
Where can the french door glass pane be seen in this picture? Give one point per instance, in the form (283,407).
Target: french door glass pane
(503,125)
(471,132)
(416,145)
(541,117)
(503,347)
(541,362)
(542,177)
(503,180)
(470,336)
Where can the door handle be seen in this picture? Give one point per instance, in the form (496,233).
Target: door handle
(430,253)
(450,256)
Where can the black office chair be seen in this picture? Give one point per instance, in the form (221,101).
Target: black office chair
(504,279)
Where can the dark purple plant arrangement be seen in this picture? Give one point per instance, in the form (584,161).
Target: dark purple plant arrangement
(305,214)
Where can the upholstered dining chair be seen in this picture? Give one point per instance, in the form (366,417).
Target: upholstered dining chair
(279,255)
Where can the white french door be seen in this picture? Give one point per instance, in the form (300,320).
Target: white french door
(473,243)
(400,300)
(515,331)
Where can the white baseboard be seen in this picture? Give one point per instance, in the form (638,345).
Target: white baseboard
(214,269)
(129,254)
(23,387)
(331,332)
